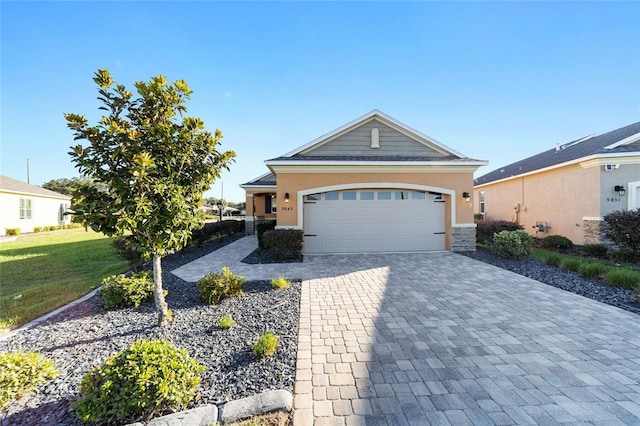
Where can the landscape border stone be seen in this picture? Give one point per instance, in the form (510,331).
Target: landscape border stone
(262,403)
(232,411)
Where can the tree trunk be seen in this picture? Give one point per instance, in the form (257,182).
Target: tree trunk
(158,293)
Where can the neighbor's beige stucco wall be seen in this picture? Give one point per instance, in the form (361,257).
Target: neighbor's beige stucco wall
(561,197)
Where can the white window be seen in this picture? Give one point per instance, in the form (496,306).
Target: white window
(366,195)
(481,201)
(349,195)
(384,195)
(331,196)
(25,208)
(402,195)
(418,195)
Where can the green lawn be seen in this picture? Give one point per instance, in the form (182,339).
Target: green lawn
(41,272)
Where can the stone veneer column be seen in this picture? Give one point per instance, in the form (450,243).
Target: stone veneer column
(249,226)
(463,238)
(594,232)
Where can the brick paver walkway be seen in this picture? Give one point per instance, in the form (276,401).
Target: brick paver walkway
(441,339)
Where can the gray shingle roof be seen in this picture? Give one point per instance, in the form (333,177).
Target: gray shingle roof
(570,151)
(8,184)
(267,180)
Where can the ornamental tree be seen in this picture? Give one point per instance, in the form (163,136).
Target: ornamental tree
(155,165)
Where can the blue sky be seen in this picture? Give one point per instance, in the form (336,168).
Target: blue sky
(497,81)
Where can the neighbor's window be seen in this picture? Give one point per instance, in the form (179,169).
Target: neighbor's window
(349,195)
(274,205)
(25,208)
(331,196)
(366,195)
(481,201)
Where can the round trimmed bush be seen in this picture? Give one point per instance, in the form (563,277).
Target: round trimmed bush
(512,244)
(265,345)
(556,242)
(122,291)
(148,378)
(22,372)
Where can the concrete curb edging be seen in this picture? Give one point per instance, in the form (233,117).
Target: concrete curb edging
(232,411)
(265,402)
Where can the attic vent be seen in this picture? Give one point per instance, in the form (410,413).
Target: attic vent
(375,138)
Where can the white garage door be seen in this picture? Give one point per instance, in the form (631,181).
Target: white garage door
(384,220)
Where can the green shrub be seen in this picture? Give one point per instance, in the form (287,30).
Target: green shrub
(553,259)
(571,264)
(623,278)
(478,216)
(278,283)
(512,244)
(22,372)
(591,269)
(265,345)
(122,291)
(486,229)
(262,227)
(623,228)
(217,286)
(226,322)
(556,242)
(52,228)
(595,250)
(146,379)
(126,251)
(12,232)
(37,229)
(283,244)
(622,255)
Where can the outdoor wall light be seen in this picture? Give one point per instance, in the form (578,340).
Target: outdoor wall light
(286,197)
(620,190)
(466,196)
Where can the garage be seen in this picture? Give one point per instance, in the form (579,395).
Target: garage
(374,220)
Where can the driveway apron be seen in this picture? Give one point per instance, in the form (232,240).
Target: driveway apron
(442,339)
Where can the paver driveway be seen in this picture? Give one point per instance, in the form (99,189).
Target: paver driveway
(441,339)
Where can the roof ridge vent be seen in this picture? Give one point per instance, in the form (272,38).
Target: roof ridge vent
(572,143)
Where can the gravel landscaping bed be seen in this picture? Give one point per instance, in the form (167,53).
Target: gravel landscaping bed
(83,336)
(561,278)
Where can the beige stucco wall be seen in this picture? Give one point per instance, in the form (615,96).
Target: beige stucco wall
(450,181)
(295,182)
(560,197)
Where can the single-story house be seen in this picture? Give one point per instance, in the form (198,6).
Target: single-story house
(568,189)
(371,185)
(26,206)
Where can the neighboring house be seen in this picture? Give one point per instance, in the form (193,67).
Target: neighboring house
(28,206)
(568,189)
(372,185)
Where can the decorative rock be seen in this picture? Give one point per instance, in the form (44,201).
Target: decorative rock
(200,416)
(266,402)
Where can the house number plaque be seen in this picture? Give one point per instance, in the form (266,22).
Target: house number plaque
(286,209)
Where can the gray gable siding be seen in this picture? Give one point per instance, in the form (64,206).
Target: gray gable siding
(357,142)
